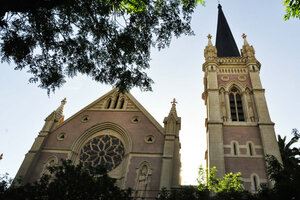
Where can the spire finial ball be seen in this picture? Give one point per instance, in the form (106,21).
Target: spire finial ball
(209,36)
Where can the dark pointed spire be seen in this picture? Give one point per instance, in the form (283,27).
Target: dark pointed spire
(225,42)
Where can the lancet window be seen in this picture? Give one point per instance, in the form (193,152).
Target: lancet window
(115,103)
(255,183)
(234,148)
(236,106)
(250,149)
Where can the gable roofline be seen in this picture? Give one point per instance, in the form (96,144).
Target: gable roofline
(146,113)
(137,104)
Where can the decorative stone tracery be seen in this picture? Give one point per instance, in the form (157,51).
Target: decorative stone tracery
(103,150)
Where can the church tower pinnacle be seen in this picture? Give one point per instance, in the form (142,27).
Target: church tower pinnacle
(239,129)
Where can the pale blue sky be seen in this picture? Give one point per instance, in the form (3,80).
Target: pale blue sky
(177,72)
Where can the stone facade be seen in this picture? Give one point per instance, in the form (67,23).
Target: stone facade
(240,132)
(142,154)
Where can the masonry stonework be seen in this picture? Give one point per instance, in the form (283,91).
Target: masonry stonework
(240,132)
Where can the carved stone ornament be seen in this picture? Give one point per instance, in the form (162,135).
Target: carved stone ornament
(149,139)
(225,78)
(142,182)
(242,78)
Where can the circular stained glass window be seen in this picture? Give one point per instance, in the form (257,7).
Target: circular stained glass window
(103,150)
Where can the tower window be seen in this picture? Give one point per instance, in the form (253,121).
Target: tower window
(236,105)
(234,149)
(255,183)
(250,149)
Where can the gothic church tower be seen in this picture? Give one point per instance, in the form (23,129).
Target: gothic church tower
(240,132)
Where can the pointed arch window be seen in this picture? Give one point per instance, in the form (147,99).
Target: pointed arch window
(234,149)
(255,182)
(250,149)
(236,106)
(116,102)
(108,103)
(122,103)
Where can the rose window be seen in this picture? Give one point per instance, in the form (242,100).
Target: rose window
(103,150)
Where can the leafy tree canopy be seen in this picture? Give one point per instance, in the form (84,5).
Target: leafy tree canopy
(108,40)
(286,175)
(69,182)
(292,9)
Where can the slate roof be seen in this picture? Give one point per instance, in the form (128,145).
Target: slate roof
(225,42)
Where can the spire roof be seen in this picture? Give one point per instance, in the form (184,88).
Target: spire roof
(225,42)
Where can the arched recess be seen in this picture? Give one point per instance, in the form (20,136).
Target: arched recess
(142,180)
(223,106)
(237,85)
(50,162)
(255,182)
(97,130)
(235,149)
(250,148)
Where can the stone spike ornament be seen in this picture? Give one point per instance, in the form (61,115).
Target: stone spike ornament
(247,50)
(210,51)
(59,117)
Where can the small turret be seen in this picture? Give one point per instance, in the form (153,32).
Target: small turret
(172,122)
(210,51)
(55,118)
(59,117)
(247,50)
(171,157)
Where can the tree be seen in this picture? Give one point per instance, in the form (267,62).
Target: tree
(70,182)
(183,193)
(292,9)
(286,175)
(108,40)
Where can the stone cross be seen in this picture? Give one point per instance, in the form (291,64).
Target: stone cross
(209,36)
(244,36)
(174,102)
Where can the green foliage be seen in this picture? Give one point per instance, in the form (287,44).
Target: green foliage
(183,193)
(286,175)
(292,9)
(107,40)
(229,183)
(69,182)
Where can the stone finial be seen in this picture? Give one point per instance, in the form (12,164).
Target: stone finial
(174,102)
(244,36)
(247,50)
(209,40)
(172,122)
(64,101)
(210,51)
(59,117)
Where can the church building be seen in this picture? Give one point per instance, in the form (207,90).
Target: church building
(239,129)
(114,130)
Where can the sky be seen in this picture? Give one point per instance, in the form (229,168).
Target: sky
(177,73)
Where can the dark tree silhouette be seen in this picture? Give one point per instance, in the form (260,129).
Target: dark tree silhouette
(68,182)
(286,175)
(108,40)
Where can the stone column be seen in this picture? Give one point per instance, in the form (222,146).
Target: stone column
(245,106)
(227,103)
